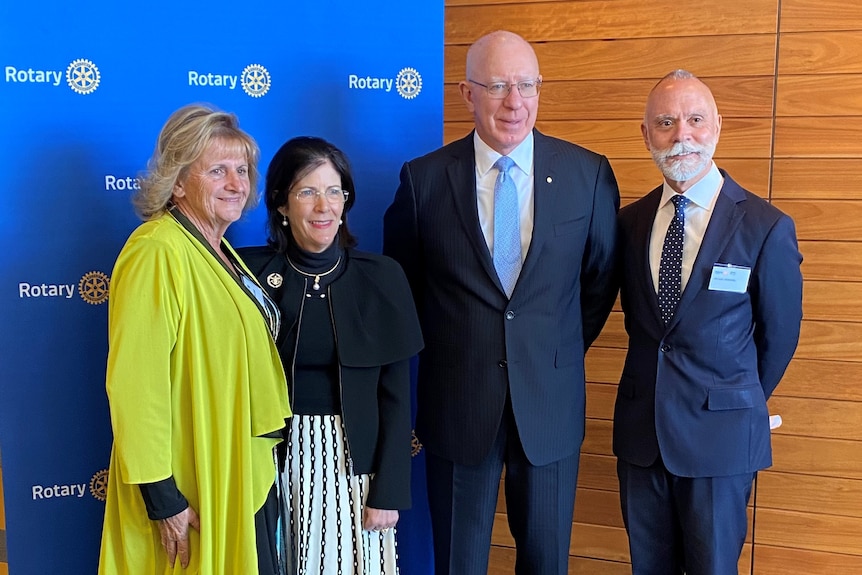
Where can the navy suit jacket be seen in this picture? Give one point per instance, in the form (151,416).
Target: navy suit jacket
(695,391)
(478,343)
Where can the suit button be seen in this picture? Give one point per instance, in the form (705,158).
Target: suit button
(502,363)
(510,314)
(665,348)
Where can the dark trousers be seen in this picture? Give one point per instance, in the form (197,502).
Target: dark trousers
(265,525)
(685,525)
(539,504)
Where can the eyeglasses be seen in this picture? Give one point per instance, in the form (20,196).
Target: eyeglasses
(501,90)
(332,195)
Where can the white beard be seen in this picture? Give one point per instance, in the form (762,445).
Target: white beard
(682,170)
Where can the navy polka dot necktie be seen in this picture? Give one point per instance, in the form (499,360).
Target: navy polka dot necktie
(670,268)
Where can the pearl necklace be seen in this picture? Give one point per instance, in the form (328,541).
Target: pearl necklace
(316,285)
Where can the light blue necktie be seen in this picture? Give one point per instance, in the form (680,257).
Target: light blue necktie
(670,267)
(507,226)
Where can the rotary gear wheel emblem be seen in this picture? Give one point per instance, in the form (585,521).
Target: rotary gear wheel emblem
(415,446)
(255,80)
(99,485)
(408,83)
(94,287)
(83,76)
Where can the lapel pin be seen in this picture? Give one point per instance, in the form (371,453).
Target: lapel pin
(549,179)
(274,280)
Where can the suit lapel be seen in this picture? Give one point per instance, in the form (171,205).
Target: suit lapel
(641,240)
(545,185)
(726,217)
(461,175)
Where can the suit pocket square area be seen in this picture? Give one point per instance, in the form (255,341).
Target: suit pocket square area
(724,398)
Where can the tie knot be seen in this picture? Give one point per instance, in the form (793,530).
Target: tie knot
(679,202)
(504,164)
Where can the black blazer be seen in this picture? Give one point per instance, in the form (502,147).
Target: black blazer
(694,392)
(479,344)
(377,334)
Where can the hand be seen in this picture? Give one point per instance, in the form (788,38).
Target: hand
(175,535)
(379,519)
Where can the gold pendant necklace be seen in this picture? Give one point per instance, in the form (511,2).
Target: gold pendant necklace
(316,285)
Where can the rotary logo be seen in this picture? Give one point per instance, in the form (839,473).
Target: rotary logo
(408,82)
(99,485)
(93,287)
(274,280)
(83,76)
(415,446)
(255,80)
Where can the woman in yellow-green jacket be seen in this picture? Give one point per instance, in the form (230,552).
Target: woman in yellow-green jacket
(195,384)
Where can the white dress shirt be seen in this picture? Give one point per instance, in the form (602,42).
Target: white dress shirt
(702,198)
(522,176)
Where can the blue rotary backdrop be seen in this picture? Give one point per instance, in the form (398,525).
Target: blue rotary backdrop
(86,88)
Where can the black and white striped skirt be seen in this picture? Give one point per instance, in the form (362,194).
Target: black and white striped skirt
(323,505)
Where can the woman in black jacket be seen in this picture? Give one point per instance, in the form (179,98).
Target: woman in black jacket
(349,331)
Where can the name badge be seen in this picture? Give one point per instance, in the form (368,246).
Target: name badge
(728,277)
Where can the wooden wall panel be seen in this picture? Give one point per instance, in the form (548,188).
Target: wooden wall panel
(597,472)
(809,493)
(821,53)
(815,456)
(821,178)
(833,300)
(612,99)
(814,531)
(830,418)
(836,341)
(805,96)
(604,365)
(599,19)
(831,260)
(600,400)
(770,560)
(822,379)
(825,219)
(825,15)
(600,60)
(816,137)
(740,138)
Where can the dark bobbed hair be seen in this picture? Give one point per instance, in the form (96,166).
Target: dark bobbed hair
(296,158)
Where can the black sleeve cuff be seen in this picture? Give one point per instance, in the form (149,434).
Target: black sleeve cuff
(163,499)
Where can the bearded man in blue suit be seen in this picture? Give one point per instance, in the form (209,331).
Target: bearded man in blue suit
(712,294)
(509,300)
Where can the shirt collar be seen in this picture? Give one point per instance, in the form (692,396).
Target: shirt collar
(486,156)
(702,193)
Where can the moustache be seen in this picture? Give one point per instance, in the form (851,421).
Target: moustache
(679,149)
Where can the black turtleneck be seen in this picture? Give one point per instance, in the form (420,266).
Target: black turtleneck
(316,390)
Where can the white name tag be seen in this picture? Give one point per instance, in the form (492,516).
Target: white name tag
(728,277)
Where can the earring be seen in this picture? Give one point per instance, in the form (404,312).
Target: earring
(340,222)
(284,222)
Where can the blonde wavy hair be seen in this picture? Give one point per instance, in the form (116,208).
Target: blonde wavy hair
(188,133)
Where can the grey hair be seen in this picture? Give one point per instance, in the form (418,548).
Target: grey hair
(185,137)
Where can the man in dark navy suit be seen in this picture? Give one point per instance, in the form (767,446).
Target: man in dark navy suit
(712,295)
(507,237)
